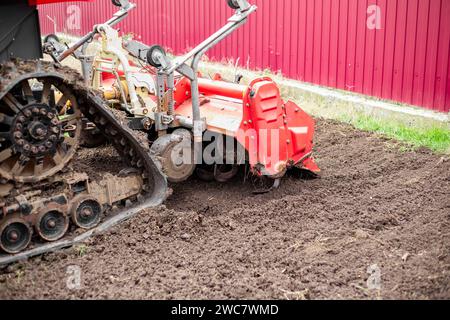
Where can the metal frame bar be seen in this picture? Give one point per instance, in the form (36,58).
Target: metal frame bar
(117,17)
(190,71)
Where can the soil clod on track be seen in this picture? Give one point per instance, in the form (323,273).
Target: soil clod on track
(374,207)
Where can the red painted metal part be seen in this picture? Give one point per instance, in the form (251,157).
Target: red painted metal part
(283,131)
(276,134)
(228,89)
(326,42)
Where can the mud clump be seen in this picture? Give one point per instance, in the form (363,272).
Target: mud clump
(97,162)
(374,208)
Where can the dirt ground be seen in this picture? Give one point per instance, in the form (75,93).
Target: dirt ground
(311,239)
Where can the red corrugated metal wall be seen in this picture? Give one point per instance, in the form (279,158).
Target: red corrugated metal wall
(392,49)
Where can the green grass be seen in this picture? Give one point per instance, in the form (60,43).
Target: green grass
(434,137)
(81,250)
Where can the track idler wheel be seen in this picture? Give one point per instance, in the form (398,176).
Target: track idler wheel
(15,235)
(52,225)
(86,212)
(175,151)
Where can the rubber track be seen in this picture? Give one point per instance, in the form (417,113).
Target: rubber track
(133,148)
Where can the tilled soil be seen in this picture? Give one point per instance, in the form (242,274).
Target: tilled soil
(374,208)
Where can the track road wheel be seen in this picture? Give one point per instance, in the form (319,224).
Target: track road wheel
(86,212)
(176,155)
(15,235)
(52,225)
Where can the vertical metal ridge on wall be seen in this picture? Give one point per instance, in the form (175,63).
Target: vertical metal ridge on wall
(392,49)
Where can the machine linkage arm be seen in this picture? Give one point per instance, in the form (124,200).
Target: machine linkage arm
(125,8)
(168,67)
(237,20)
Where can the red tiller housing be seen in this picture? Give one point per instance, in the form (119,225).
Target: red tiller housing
(392,49)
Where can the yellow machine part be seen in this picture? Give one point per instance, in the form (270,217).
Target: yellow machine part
(66,107)
(114,91)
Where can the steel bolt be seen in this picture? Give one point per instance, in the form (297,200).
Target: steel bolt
(55,121)
(17,135)
(50,115)
(288,141)
(55,130)
(42,149)
(14,235)
(43,111)
(53,138)
(51,224)
(21,119)
(26,147)
(34,150)
(86,212)
(27,113)
(40,132)
(20,142)
(48,144)
(35,110)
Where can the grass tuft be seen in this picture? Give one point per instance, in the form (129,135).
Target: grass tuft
(81,250)
(435,138)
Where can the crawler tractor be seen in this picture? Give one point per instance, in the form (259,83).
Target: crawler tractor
(163,117)
(49,196)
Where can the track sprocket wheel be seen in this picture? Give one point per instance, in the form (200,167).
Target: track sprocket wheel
(40,129)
